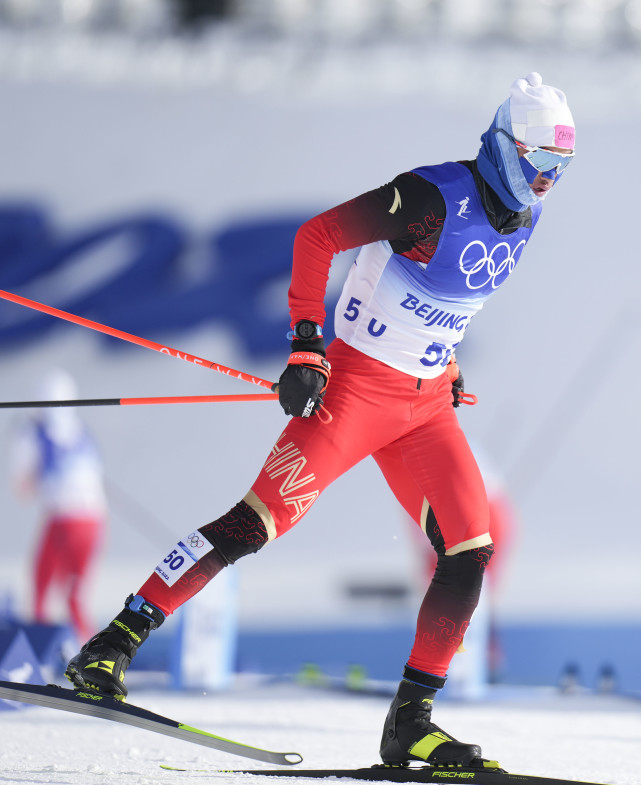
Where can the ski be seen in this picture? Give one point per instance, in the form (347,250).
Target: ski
(107,708)
(487,775)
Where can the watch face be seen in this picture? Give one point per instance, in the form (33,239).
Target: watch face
(306,330)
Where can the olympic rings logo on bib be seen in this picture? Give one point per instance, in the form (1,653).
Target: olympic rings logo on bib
(489,268)
(195,541)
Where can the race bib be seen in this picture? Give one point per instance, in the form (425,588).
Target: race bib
(187,552)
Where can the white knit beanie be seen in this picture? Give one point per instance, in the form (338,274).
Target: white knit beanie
(540,115)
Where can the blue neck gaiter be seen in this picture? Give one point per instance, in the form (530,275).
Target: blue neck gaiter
(500,167)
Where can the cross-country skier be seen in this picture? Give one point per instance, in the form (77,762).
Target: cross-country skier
(435,243)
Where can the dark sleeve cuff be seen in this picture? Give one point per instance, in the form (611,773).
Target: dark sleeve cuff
(315,345)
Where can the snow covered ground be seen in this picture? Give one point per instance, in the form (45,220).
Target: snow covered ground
(579,736)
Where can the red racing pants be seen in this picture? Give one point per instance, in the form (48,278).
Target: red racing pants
(410,428)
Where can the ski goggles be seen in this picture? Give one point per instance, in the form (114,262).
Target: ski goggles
(541,159)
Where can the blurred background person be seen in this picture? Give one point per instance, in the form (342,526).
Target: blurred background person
(55,461)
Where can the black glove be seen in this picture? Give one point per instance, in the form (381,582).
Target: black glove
(458,383)
(302,384)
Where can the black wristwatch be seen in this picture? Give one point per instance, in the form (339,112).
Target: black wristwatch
(306,330)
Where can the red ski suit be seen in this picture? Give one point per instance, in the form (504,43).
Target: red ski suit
(407,424)
(418,445)
(423,454)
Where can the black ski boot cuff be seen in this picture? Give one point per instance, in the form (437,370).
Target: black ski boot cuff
(134,626)
(427,680)
(141,607)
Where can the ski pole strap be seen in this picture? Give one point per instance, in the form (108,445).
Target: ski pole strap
(314,361)
(323,414)
(467,398)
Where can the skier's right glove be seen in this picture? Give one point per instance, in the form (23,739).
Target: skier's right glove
(302,384)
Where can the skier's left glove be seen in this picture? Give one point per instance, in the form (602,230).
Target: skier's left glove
(458,383)
(302,384)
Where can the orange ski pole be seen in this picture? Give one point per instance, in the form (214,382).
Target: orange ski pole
(102,328)
(139,401)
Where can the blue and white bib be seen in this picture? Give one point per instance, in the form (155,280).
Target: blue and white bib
(412,315)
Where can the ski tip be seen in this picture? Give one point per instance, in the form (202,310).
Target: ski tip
(292,758)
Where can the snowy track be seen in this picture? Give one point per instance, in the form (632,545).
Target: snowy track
(536,732)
